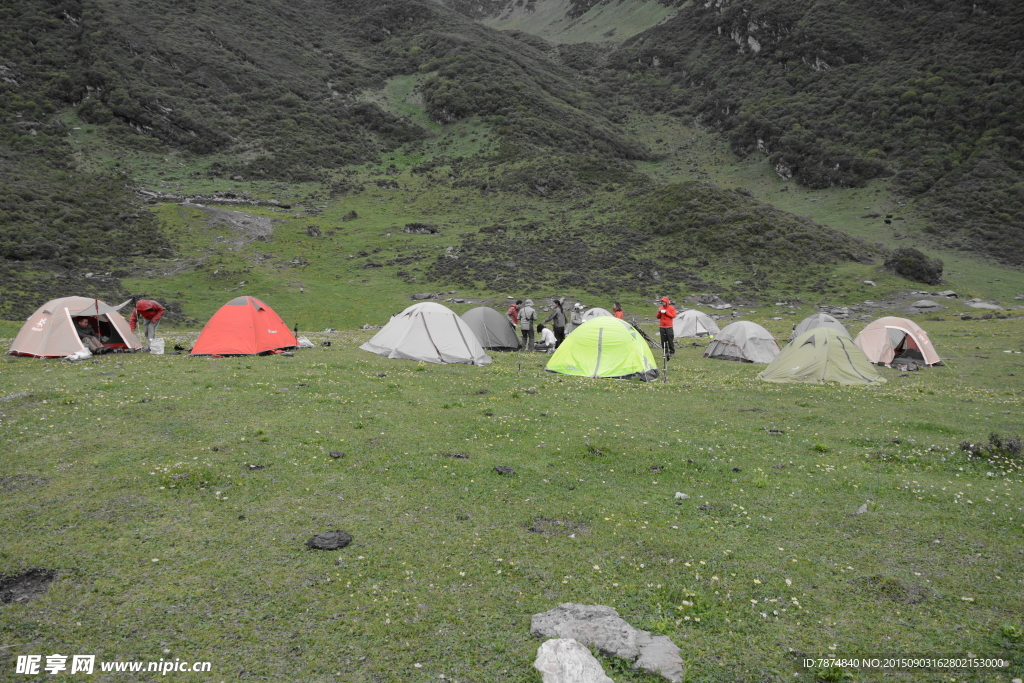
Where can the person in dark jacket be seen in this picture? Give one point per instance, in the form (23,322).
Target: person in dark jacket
(557,320)
(89,338)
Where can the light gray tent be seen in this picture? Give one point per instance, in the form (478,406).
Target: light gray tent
(818,320)
(491,328)
(693,323)
(592,313)
(431,333)
(743,341)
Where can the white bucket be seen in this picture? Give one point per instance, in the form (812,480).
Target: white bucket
(157,346)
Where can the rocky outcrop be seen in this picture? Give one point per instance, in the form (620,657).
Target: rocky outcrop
(601,627)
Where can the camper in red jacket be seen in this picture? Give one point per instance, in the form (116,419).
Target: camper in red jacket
(151,312)
(666,316)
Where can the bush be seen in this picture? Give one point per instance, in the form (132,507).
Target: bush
(913,265)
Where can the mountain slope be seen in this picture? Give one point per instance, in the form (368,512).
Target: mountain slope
(837,94)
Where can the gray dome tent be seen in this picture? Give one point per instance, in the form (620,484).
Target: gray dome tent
(818,320)
(592,313)
(694,323)
(492,329)
(743,341)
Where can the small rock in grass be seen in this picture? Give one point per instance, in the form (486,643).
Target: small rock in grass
(504,469)
(462,517)
(255,467)
(337,454)
(329,540)
(736,469)
(861,510)
(681,496)
(382,374)
(530,391)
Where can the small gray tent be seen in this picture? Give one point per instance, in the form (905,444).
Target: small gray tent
(743,341)
(493,329)
(818,320)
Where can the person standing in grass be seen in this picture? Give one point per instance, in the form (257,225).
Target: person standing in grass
(617,311)
(151,312)
(557,320)
(577,316)
(666,316)
(527,318)
(513,312)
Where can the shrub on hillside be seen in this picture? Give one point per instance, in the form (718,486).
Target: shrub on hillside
(913,265)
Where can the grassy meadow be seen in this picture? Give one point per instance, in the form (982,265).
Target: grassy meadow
(173,496)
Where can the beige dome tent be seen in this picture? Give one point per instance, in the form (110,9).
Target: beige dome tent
(431,333)
(743,341)
(694,323)
(818,320)
(888,339)
(50,331)
(822,355)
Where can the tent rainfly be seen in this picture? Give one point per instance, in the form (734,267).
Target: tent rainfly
(743,341)
(244,326)
(888,339)
(431,333)
(822,355)
(604,347)
(592,313)
(694,323)
(50,331)
(492,329)
(818,320)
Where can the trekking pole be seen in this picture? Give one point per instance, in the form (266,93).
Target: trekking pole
(664,351)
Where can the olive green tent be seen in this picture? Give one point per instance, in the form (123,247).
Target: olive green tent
(604,347)
(822,355)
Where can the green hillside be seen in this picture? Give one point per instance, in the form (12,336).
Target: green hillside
(837,94)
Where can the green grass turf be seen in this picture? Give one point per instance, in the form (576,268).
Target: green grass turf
(130,476)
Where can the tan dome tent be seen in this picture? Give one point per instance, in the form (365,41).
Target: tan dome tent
(50,331)
(492,329)
(693,323)
(743,341)
(431,333)
(889,339)
(592,313)
(822,355)
(818,320)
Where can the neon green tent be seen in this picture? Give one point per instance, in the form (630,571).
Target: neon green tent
(822,355)
(604,347)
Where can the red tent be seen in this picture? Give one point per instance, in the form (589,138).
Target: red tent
(244,326)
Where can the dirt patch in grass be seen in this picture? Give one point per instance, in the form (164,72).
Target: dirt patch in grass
(897,590)
(555,527)
(19,482)
(26,585)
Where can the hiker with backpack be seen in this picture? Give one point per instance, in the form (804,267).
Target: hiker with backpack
(527,319)
(513,312)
